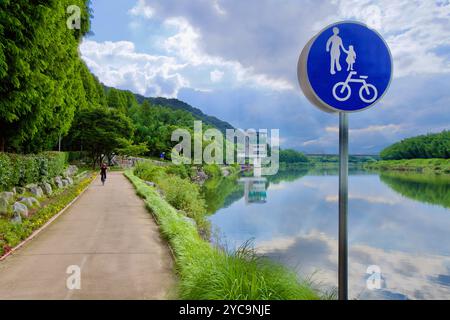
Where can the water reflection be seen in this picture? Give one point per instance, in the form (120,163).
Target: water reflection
(408,239)
(254,189)
(425,188)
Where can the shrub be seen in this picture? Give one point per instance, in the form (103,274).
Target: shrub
(20,170)
(212,170)
(183,171)
(183,195)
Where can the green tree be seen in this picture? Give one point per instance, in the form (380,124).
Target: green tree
(100,132)
(435,145)
(292,156)
(40,81)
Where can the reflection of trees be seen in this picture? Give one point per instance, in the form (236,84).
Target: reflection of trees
(290,174)
(425,188)
(218,191)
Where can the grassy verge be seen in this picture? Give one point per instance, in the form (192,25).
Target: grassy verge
(12,234)
(438,166)
(209,273)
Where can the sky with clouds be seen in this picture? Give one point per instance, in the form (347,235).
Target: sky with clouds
(237,60)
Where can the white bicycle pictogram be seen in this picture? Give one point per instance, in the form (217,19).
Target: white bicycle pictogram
(367,93)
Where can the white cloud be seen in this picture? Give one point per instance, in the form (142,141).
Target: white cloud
(182,63)
(118,64)
(402,272)
(142,10)
(413,30)
(216,75)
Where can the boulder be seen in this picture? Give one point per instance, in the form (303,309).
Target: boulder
(30,202)
(149,183)
(47,188)
(71,171)
(19,190)
(190,221)
(65,182)
(36,191)
(4,205)
(8,196)
(225,172)
(20,209)
(17,218)
(31,185)
(70,180)
(58,182)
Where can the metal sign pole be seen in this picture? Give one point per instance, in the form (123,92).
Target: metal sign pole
(343,206)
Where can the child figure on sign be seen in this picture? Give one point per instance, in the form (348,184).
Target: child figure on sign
(351,58)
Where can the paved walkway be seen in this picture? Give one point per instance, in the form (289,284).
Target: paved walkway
(109,234)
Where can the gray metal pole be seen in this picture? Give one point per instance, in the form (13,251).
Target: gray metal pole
(343,206)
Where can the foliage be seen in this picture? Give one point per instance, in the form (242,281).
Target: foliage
(41,82)
(180,192)
(12,234)
(175,104)
(292,156)
(210,273)
(100,131)
(435,145)
(419,165)
(20,170)
(133,150)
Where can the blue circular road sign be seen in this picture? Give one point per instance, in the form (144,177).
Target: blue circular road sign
(347,67)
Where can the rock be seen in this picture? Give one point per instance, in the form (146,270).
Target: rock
(17,218)
(47,188)
(4,205)
(20,209)
(58,182)
(31,185)
(149,183)
(190,221)
(65,182)
(36,191)
(19,190)
(8,196)
(225,172)
(70,180)
(71,171)
(30,202)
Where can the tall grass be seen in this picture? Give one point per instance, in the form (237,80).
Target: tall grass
(209,273)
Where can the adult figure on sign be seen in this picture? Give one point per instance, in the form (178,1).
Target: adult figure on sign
(335,42)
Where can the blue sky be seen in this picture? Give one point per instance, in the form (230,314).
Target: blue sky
(237,60)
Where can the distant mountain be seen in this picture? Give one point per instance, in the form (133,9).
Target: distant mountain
(180,105)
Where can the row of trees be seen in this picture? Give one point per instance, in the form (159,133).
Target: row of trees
(47,93)
(42,80)
(435,145)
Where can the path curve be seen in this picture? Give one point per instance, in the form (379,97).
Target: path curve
(109,234)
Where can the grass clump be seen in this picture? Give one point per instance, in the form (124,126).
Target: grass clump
(208,273)
(437,166)
(180,192)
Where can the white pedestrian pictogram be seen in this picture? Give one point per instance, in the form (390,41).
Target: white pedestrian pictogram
(367,93)
(342,91)
(336,44)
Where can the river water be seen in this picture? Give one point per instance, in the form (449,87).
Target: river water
(399,224)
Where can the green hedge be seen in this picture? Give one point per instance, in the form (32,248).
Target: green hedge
(20,170)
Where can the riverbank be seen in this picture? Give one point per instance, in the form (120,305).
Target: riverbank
(435,166)
(210,273)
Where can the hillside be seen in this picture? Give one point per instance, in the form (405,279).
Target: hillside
(433,145)
(176,104)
